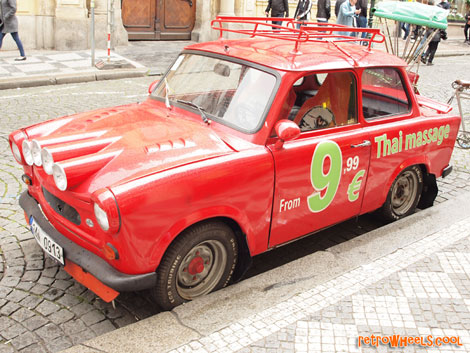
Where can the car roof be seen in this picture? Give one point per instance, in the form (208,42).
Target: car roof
(280,54)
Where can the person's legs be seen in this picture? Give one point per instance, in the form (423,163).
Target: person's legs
(407,30)
(433,49)
(362,23)
(16,37)
(279,23)
(465,31)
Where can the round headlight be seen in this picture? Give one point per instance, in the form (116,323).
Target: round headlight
(101,217)
(59,177)
(36,152)
(27,155)
(16,152)
(47,161)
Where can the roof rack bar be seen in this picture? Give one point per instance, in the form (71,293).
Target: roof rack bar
(308,32)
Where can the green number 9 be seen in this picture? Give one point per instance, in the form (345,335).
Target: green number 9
(330,180)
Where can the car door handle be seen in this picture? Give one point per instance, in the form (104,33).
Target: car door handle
(362,144)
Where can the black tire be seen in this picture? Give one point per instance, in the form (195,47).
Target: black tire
(404,194)
(201,260)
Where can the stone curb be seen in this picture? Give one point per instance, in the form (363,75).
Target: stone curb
(168,330)
(47,80)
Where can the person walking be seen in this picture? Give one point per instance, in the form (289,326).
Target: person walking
(433,44)
(302,11)
(323,11)
(347,12)
(467,26)
(278,8)
(9,24)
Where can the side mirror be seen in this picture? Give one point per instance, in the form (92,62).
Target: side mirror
(153,85)
(286,130)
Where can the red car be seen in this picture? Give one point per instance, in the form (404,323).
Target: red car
(243,145)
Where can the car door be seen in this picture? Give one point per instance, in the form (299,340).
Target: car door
(321,175)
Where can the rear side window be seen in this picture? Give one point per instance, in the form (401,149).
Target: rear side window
(383,93)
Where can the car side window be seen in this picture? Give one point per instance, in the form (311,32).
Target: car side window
(325,100)
(383,93)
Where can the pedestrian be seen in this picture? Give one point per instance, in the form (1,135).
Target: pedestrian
(302,11)
(467,26)
(9,24)
(347,12)
(278,8)
(323,11)
(362,18)
(433,44)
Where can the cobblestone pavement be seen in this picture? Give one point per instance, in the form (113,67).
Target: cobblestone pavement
(43,310)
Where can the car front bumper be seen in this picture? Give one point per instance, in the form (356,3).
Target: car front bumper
(90,263)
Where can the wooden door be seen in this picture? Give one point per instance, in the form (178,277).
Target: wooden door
(159,19)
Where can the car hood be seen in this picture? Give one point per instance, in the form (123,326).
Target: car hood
(108,147)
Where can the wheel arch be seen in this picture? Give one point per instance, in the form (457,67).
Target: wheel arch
(421,161)
(244,253)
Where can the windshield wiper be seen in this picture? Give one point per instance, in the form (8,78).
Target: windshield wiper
(194,105)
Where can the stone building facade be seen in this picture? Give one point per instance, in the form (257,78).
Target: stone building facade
(65,24)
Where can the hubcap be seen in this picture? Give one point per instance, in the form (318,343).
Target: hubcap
(201,269)
(404,192)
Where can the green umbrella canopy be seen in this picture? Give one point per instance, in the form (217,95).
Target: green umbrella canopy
(412,12)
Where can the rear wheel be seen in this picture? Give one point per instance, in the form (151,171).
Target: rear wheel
(404,194)
(201,260)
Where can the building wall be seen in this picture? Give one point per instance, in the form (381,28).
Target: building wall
(64,25)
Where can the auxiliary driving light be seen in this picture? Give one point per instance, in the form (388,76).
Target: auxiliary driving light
(60,178)
(27,155)
(16,152)
(36,152)
(47,161)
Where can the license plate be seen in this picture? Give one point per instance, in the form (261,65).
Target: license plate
(49,246)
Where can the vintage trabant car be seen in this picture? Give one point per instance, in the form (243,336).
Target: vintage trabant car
(244,145)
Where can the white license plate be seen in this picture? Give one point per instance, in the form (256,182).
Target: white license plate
(49,246)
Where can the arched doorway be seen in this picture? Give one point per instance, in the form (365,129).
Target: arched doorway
(159,19)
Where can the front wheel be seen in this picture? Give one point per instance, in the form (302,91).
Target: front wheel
(404,194)
(201,260)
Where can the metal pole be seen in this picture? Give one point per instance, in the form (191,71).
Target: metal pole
(109,30)
(92,7)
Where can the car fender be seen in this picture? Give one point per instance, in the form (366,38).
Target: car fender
(415,160)
(207,214)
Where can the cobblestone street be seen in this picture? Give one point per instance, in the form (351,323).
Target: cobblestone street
(426,287)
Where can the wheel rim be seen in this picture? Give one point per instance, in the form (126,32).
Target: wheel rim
(404,193)
(201,269)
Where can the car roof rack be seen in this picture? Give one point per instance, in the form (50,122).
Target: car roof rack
(308,32)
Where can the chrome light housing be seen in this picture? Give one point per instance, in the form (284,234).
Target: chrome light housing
(36,152)
(27,154)
(101,217)
(60,178)
(47,161)
(16,152)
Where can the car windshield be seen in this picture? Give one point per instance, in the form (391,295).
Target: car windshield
(230,93)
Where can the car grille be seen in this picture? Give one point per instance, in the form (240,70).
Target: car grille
(59,206)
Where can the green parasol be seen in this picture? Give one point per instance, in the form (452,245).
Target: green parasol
(412,12)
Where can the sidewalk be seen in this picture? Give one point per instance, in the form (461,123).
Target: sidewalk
(410,278)
(48,67)
(147,58)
